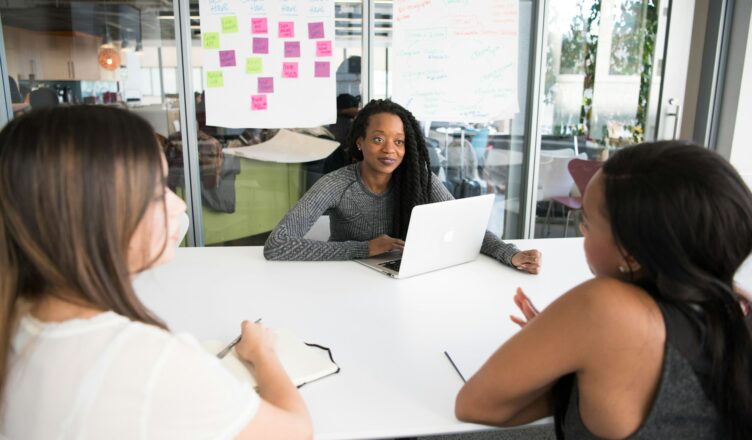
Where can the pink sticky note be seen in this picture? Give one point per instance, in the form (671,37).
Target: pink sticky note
(323,48)
(266,85)
(289,70)
(321,69)
(316,30)
(258,102)
(292,49)
(259,26)
(286,29)
(226,58)
(260,45)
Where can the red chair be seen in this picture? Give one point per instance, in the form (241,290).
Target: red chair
(582,171)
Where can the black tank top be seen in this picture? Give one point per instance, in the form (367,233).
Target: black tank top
(681,408)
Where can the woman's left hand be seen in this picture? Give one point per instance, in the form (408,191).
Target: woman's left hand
(529,261)
(527,308)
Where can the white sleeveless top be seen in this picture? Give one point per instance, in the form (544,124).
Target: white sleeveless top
(108,377)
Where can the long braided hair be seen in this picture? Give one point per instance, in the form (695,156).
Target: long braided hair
(411,181)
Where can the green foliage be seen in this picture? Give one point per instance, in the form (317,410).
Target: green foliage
(649,31)
(627,38)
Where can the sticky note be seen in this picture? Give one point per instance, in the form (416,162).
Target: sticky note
(215,79)
(258,102)
(230,24)
(321,69)
(259,26)
(316,30)
(211,40)
(289,70)
(226,58)
(253,65)
(260,45)
(286,29)
(324,48)
(266,85)
(292,49)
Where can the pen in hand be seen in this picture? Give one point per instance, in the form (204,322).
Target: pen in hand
(234,342)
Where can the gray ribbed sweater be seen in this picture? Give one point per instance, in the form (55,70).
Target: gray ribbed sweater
(356,215)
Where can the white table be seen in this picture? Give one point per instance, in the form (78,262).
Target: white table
(388,336)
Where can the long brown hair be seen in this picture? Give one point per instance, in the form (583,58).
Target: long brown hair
(74,185)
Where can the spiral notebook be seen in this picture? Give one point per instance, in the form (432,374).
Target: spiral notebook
(303,362)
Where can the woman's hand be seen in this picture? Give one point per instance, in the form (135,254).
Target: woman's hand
(527,307)
(384,243)
(529,261)
(256,342)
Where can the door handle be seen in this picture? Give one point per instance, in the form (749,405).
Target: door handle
(674,111)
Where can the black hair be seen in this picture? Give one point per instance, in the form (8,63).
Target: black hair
(411,181)
(685,215)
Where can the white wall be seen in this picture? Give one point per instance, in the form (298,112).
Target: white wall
(741,146)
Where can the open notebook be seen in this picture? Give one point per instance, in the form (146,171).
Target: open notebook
(303,362)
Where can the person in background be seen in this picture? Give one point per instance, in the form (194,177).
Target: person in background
(81,213)
(347,108)
(656,345)
(370,201)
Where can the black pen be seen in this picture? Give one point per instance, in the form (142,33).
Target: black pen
(234,342)
(455,366)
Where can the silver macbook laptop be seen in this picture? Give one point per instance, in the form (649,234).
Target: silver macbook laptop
(441,235)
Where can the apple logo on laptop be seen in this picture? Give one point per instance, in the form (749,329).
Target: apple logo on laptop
(449,236)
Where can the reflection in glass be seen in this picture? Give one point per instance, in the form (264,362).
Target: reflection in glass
(118,53)
(599,79)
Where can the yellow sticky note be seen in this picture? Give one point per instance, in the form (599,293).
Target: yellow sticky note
(215,79)
(230,24)
(253,65)
(211,40)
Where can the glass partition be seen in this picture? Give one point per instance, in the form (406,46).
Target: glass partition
(243,199)
(601,73)
(119,53)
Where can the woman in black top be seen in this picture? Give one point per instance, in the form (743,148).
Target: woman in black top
(656,345)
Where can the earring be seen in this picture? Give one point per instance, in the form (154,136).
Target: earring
(622,269)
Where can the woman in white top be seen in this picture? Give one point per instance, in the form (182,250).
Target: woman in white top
(84,207)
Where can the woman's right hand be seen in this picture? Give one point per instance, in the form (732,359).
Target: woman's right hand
(384,243)
(256,342)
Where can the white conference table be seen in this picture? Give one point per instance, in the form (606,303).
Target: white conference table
(388,336)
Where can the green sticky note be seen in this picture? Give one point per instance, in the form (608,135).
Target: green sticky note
(253,65)
(230,24)
(211,40)
(215,79)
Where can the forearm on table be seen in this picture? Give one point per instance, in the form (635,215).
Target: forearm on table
(275,386)
(286,248)
(494,247)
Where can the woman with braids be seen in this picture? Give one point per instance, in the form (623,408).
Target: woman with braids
(83,208)
(370,201)
(656,346)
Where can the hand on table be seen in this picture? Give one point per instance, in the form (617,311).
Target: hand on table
(528,261)
(527,307)
(384,243)
(256,341)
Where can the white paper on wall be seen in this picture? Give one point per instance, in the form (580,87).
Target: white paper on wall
(456,60)
(268,63)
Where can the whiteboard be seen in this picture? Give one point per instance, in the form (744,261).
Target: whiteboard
(268,63)
(456,60)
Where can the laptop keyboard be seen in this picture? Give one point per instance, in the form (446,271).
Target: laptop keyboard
(392,265)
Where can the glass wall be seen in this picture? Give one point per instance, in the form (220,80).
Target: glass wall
(601,58)
(489,153)
(243,199)
(602,73)
(119,53)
